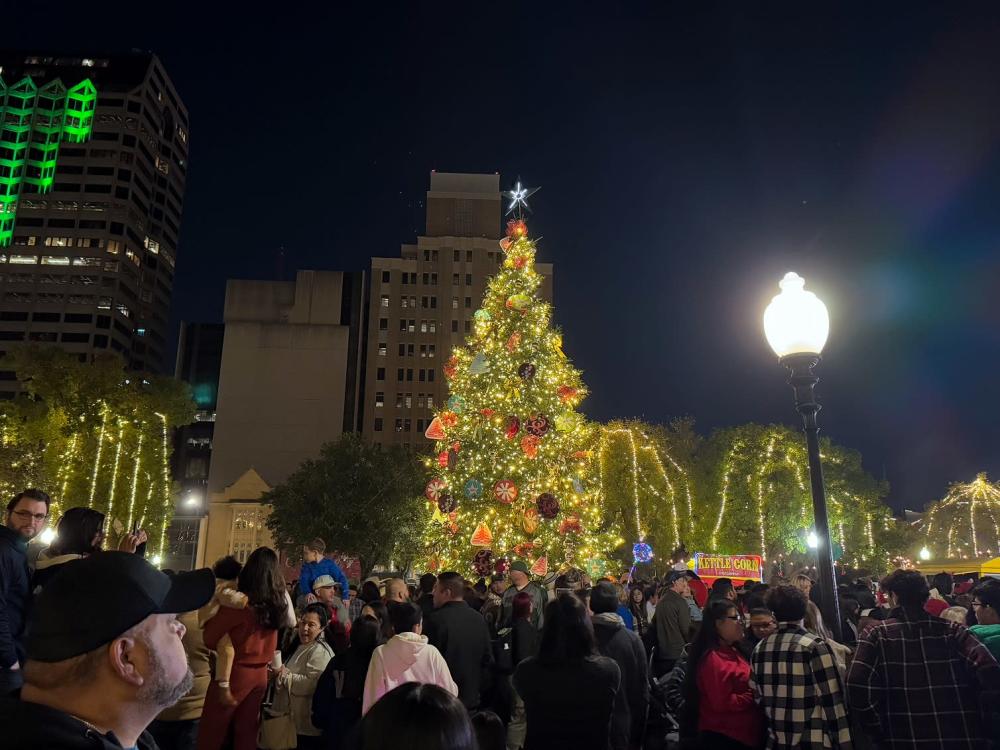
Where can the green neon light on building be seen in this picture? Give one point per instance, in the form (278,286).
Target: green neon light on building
(33,122)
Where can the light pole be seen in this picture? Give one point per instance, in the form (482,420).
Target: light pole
(796,325)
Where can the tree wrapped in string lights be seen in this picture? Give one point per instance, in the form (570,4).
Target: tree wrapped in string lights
(965,523)
(514,473)
(92,434)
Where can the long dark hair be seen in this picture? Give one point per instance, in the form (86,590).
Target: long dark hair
(382,615)
(568,634)
(705,641)
(417,715)
(366,636)
(76,531)
(262,582)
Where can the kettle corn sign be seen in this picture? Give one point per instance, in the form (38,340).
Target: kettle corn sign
(728,566)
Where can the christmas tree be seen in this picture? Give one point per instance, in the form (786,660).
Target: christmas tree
(515,475)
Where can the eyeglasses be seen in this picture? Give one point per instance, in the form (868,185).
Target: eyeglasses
(26,516)
(736,618)
(979,605)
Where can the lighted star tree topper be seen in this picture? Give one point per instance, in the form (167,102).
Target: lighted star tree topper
(515,475)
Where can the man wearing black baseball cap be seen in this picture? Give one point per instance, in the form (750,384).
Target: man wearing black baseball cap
(104,655)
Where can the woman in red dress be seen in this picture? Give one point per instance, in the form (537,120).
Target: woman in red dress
(254,633)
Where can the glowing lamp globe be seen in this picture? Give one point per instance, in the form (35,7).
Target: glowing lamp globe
(812,540)
(48,536)
(925,554)
(796,321)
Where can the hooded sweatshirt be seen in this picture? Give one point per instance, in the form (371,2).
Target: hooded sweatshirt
(407,657)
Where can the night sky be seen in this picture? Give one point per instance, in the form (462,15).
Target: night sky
(688,157)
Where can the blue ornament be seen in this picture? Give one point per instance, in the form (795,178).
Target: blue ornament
(482,316)
(473,489)
(456,404)
(479,365)
(642,552)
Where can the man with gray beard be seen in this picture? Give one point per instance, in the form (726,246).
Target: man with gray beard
(104,655)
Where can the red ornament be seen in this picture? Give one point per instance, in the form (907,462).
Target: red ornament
(448,418)
(482,536)
(513,426)
(505,491)
(501,566)
(529,444)
(450,367)
(435,430)
(567,393)
(434,489)
(513,342)
(487,412)
(570,523)
(452,528)
(456,446)
(580,455)
(516,229)
(520,262)
(522,549)
(443,459)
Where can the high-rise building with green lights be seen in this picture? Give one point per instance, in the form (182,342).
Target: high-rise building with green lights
(93,163)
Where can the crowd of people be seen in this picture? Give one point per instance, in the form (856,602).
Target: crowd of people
(98,649)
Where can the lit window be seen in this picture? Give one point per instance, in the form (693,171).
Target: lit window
(94,262)
(382,349)
(408,400)
(140,331)
(114,247)
(454,303)
(379,400)
(399,424)
(399,400)
(423,323)
(24,260)
(55,260)
(430,401)
(123,309)
(412,326)
(385,300)
(432,325)
(402,301)
(104,303)
(87,62)
(430,350)
(182,134)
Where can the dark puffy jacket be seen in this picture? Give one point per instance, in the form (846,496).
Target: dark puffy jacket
(622,645)
(15,593)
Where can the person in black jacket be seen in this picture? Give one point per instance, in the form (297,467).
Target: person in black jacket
(26,514)
(99,687)
(568,689)
(617,642)
(524,640)
(461,635)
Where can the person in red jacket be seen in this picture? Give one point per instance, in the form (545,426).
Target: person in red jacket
(719,702)
(254,634)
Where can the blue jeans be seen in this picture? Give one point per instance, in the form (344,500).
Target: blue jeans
(175,735)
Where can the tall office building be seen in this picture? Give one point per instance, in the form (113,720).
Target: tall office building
(421,305)
(88,261)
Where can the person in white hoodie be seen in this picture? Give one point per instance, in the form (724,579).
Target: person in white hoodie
(407,657)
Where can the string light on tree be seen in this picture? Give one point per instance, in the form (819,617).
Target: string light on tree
(966,520)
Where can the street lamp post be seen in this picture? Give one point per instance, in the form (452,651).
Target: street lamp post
(796,325)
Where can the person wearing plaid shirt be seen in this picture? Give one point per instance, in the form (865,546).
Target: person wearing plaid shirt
(795,679)
(918,681)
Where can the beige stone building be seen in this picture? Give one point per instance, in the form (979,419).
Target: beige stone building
(288,384)
(421,305)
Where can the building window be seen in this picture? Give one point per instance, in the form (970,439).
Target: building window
(378,424)
(430,350)
(399,400)
(379,400)
(432,326)
(408,400)
(454,326)
(426,279)
(402,301)
(383,324)
(399,424)
(456,256)
(406,279)
(386,276)
(420,401)
(409,350)
(246,533)
(399,375)
(430,376)
(407,424)
(434,279)
(402,325)
(385,300)
(383,349)
(434,303)
(423,351)
(434,254)
(427,254)
(454,279)
(380,373)
(402,350)
(411,326)
(430,401)
(424,302)
(468,256)
(468,303)
(468,326)
(468,279)
(413,278)
(420,425)
(454,303)
(423,376)
(423,326)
